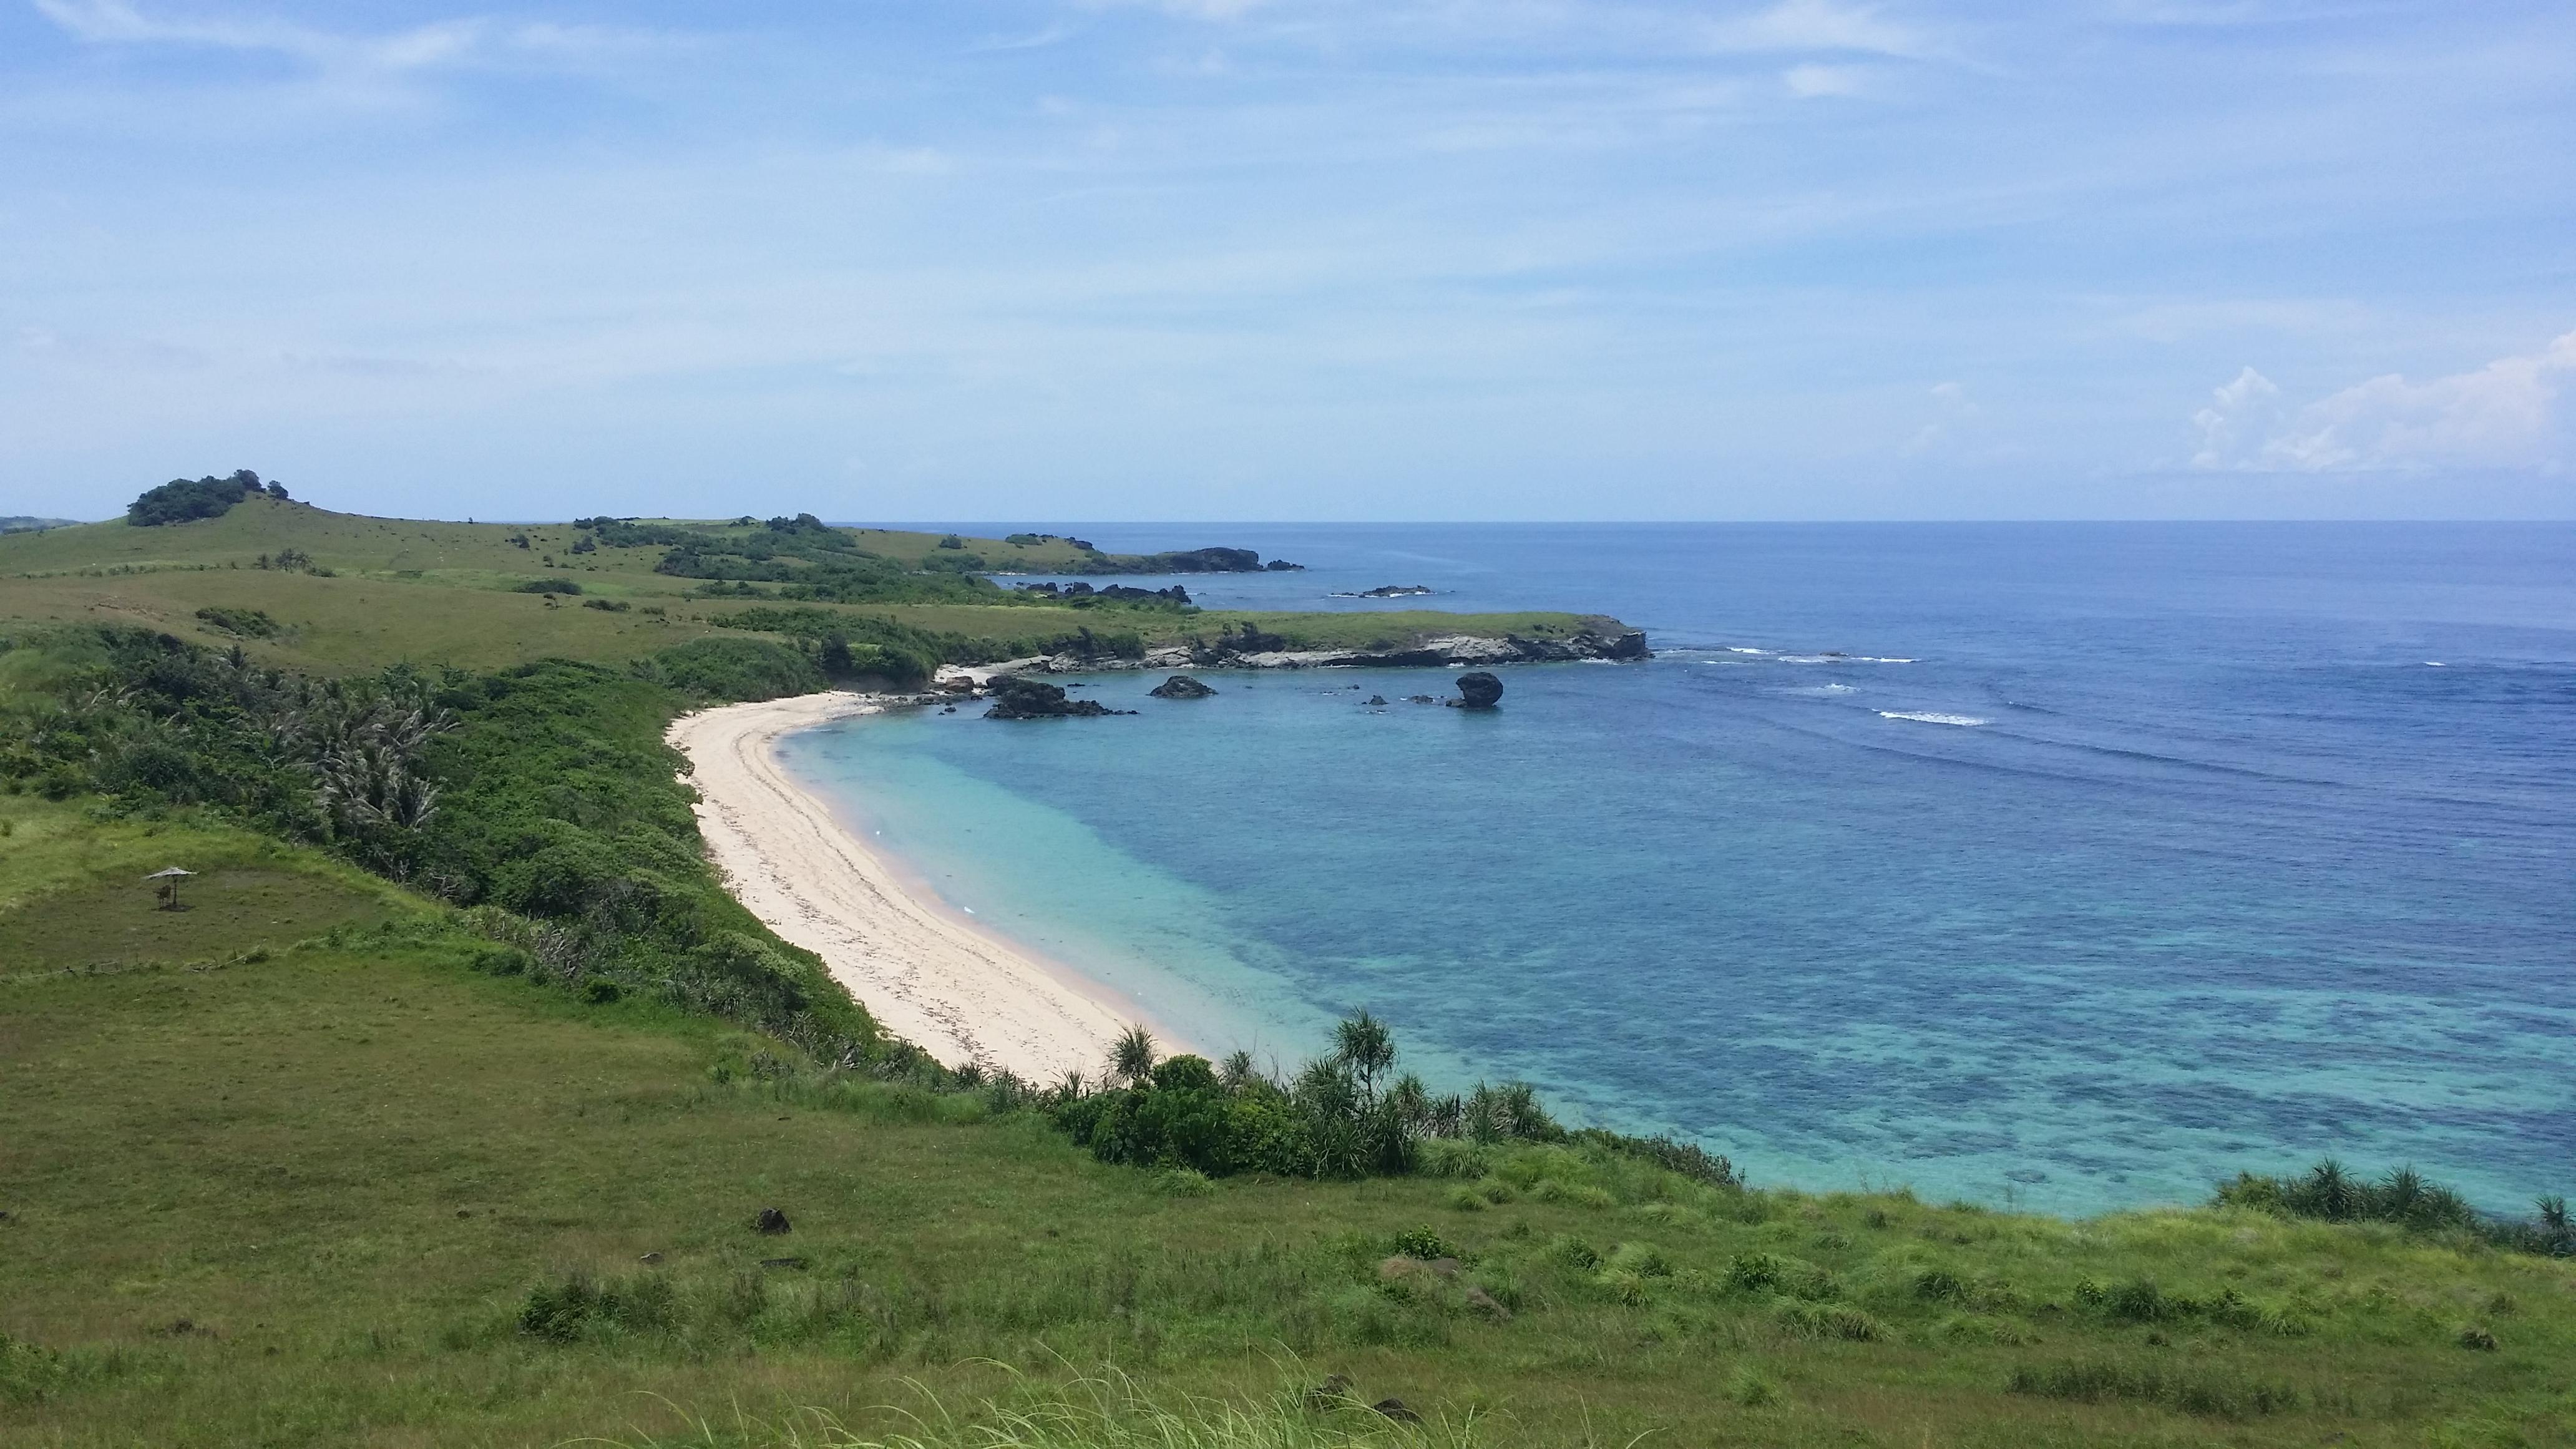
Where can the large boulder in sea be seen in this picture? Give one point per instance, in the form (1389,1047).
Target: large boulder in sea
(1180,686)
(1478,690)
(1017,698)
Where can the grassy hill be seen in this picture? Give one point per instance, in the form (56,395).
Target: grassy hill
(367,591)
(443,1113)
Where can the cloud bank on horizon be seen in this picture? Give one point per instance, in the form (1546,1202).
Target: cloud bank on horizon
(1233,259)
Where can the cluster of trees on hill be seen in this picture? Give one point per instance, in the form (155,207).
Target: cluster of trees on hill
(811,560)
(182,499)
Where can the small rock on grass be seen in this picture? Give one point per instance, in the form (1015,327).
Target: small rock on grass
(1331,1394)
(771,1221)
(1397,1410)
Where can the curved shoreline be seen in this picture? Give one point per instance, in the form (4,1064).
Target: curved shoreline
(924,971)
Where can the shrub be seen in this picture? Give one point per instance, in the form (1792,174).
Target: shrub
(1424,1244)
(1183,1182)
(2210,1395)
(611,606)
(1828,1321)
(548,586)
(1642,1259)
(1751,1388)
(599,990)
(1573,1252)
(2138,1301)
(580,1307)
(249,623)
(1775,1272)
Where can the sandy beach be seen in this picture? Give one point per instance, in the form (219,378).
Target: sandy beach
(928,974)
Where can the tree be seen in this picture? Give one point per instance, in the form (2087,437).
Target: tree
(1363,1044)
(1132,1056)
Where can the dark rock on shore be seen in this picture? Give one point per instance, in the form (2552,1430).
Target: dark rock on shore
(1017,698)
(1180,686)
(1120,593)
(1478,690)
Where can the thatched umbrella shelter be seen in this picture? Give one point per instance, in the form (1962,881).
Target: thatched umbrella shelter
(168,890)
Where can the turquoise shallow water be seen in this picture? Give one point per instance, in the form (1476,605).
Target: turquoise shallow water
(2107,860)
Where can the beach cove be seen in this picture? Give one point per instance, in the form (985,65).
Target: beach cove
(925,971)
(2070,867)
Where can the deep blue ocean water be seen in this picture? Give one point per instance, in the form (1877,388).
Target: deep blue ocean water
(2106,859)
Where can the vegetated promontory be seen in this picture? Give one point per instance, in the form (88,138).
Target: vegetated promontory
(453,1105)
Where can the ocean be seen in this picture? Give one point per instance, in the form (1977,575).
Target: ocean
(2070,867)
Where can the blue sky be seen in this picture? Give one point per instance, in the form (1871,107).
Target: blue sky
(1295,259)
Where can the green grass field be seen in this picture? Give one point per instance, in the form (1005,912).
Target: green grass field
(280,1169)
(445,593)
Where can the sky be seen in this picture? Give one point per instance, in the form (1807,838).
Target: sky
(1295,259)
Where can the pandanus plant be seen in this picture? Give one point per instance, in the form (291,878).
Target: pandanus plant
(1132,1056)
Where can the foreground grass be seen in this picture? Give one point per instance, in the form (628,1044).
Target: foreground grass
(281,1175)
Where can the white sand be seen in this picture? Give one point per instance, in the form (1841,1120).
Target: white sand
(926,973)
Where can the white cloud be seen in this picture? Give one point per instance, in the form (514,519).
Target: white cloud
(2502,415)
(419,48)
(1818,25)
(1809,81)
(2238,412)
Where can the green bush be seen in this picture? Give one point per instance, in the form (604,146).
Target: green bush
(739,669)
(548,586)
(182,500)
(580,1307)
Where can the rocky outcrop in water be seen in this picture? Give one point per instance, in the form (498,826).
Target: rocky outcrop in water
(1180,686)
(1387,591)
(1478,690)
(1249,647)
(1017,698)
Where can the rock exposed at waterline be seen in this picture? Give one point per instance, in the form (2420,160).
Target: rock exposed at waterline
(1248,647)
(1180,686)
(1377,701)
(1478,690)
(1017,698)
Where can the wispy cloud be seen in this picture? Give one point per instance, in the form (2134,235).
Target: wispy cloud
(2502,415)
(1822,26)
(442,44)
